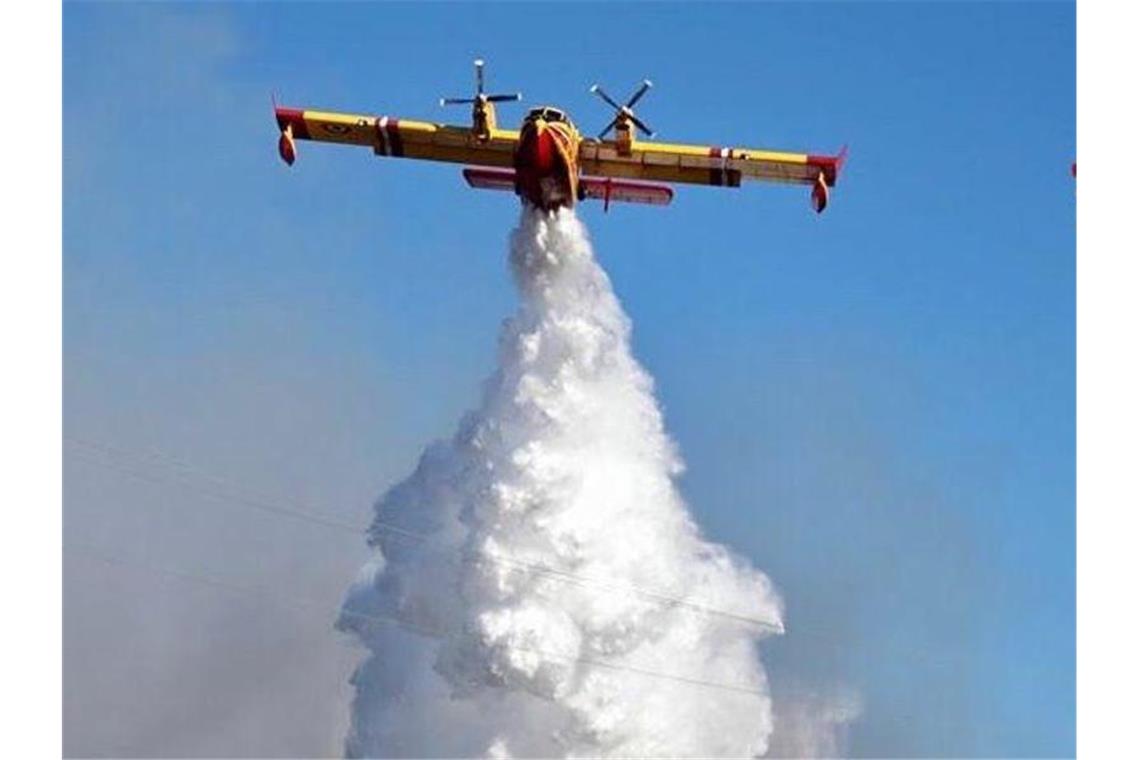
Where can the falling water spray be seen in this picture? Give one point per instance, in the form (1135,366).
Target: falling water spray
(538,587)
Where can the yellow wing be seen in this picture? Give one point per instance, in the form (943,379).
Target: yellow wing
(705,165)
(388,136)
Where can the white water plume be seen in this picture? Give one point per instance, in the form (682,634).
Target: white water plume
(552,595)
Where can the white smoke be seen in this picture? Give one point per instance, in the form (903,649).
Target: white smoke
(550,592)
(812,724)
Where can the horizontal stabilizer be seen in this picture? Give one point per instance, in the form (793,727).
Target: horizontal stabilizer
(599,188)
(490,179)
(607,190)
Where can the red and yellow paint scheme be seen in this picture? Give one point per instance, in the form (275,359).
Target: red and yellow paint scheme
(549,164)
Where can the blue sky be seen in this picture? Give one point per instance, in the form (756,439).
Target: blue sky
(875,405)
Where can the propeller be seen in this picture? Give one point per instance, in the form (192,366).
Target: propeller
(480,96)
(625,113)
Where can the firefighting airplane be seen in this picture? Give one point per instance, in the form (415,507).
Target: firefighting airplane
(548,163)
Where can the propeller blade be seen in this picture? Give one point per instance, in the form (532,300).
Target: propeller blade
(504,98)
(642,126)
(604,132)
(597,90)
(479,75)
(455,101)
(645,85)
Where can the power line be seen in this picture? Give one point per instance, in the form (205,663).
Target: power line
(303,603)
(194,478)
(198,480)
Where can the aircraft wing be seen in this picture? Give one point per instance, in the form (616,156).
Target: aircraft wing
(389,136)
(711,165)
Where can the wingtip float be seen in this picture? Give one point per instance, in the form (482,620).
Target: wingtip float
(549,164)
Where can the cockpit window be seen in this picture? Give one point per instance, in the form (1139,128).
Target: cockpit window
(547,114)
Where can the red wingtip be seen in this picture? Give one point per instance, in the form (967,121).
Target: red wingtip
(830,166)
(291,122)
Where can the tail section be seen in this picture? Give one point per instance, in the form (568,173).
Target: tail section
(607,189)
(604,189)
(490,179)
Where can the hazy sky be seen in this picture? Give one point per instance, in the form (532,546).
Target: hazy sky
(876,405)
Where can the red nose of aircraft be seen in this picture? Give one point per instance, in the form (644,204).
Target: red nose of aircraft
(537,150)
